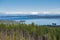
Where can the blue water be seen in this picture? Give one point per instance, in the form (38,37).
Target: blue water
(43,21)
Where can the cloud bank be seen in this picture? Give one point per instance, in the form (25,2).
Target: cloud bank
(45,12)
(52,11)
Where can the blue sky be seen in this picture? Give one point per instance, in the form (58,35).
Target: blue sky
(30,6)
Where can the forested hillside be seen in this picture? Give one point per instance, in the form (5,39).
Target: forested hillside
(22,31)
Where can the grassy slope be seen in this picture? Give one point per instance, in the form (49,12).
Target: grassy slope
(28,32)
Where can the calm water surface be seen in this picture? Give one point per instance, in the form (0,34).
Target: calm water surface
(43,21)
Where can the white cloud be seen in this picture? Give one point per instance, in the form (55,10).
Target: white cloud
(21,12)
(46,12)
(13,12)
(51,11)
(34,12)
(43,12)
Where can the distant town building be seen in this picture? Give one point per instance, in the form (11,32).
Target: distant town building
(54,24)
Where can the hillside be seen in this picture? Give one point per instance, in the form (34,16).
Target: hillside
(28,32)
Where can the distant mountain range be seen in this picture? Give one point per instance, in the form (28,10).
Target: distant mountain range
(27,16)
